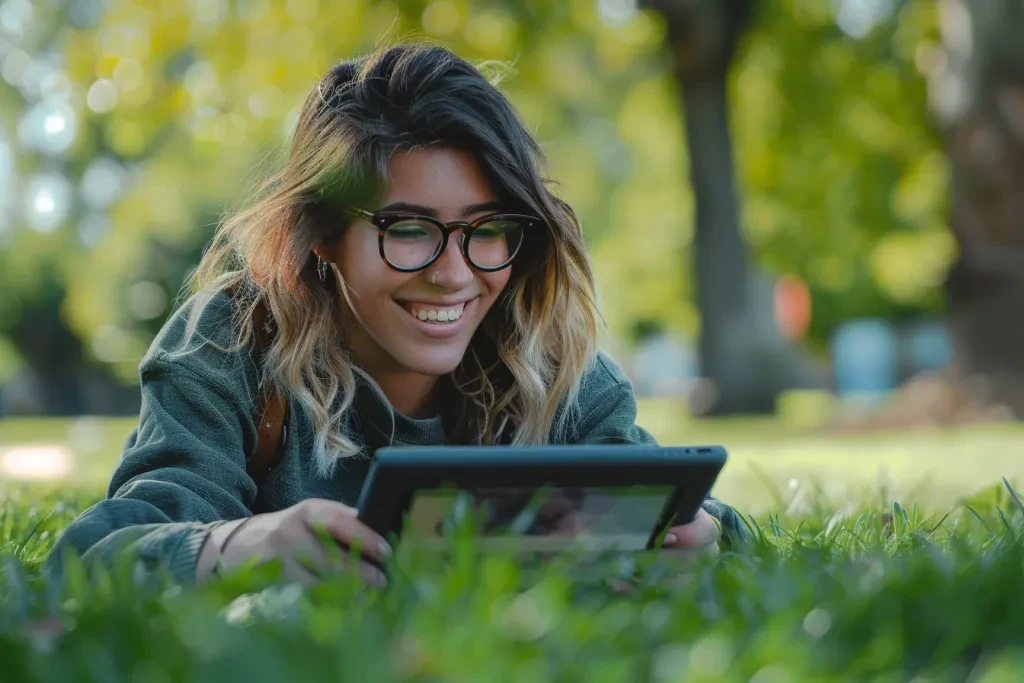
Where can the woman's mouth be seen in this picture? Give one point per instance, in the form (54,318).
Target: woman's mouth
(436,321)
(438,315)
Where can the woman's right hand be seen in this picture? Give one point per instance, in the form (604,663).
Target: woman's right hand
(289,535)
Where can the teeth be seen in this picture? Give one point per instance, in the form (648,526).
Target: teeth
(445,315)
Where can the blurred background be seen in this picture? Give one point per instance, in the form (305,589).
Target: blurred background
(807,210)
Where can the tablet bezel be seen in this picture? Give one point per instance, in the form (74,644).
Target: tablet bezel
(396,473)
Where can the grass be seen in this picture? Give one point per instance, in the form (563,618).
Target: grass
(890,557)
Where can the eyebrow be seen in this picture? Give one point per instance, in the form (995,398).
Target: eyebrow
(428,211)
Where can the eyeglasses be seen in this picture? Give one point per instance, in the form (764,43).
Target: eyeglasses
(409,242)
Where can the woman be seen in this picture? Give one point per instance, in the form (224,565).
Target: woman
(425,287)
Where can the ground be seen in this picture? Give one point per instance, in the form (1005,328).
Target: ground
(886,557)
(768,460)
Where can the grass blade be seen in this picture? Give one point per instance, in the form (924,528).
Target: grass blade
(1014,495)
(934,528)
(980,519)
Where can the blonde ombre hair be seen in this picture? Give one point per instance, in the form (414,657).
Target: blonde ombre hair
(519,380)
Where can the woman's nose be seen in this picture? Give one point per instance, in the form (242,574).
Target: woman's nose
(451,270)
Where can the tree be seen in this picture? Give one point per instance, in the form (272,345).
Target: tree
(976,79)
(702,41)
(841,179)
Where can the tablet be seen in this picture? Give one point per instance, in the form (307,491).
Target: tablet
(538,498)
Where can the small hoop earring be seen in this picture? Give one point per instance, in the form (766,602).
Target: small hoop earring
(321,269)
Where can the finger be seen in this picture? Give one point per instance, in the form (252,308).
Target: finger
(686,554)
(299,567)
(684,558)
(340,522)
(372,575)
(338,560)
(314,567)
(703,530)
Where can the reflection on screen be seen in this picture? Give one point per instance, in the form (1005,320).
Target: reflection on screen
(540,520)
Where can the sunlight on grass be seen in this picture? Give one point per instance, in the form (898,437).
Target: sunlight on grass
(35,462)
(770,463)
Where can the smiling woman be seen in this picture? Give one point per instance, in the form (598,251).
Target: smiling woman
(420,301)
(423,287)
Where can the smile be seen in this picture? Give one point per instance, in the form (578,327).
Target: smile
(436,321)
(435,314)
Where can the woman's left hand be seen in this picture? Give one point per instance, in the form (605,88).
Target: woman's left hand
(684,544)
(699,537)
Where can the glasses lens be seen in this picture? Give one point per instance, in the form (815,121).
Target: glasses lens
(411,243)
(495,243)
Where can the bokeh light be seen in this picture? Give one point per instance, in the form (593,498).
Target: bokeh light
(109,344)
(8,179)
(92,228)
(102,96)
(47,201)
(15,16)
(147,300)
(35,462)
(858,17)
(103,181)
(50,127)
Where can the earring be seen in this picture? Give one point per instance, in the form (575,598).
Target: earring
(321,269)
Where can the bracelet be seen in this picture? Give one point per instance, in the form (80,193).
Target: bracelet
(220,550)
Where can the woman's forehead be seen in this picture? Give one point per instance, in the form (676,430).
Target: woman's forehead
(445,181)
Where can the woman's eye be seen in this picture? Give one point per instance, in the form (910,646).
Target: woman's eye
(407,231)
(491,230)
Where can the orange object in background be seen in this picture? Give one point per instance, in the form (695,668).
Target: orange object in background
(792,307)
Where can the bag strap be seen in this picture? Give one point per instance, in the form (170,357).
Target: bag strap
(272,410)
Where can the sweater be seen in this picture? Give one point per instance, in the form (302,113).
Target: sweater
(183,467)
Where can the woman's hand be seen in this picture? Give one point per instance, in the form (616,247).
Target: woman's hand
(699,537)
(290,536)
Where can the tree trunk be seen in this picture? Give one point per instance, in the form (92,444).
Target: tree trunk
(702,40)
(727,339)
(976,89)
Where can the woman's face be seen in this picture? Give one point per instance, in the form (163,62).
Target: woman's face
(448,185)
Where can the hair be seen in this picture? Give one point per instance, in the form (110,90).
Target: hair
(520,377)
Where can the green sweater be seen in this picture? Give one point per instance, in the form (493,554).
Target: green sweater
(183,468)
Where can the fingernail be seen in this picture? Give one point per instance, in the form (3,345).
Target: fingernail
(384,549)
(671,539)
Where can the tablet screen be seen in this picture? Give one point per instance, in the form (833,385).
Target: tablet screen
(540,520)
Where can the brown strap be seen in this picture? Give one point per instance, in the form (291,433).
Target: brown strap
(272,411)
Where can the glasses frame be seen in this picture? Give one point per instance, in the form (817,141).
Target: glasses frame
(383,220)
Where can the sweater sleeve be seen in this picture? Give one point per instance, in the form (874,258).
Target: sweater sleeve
(607,412)
(181,471)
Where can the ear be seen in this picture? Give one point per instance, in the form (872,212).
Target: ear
(322,252)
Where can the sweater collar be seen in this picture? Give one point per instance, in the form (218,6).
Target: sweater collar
(382,425)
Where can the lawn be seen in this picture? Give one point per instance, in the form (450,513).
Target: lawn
(884,557)
(770,464)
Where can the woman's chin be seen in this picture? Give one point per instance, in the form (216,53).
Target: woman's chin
(433,362)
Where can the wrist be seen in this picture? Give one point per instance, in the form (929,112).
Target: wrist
(212,550)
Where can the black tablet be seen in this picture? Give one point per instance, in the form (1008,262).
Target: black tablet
(544,498)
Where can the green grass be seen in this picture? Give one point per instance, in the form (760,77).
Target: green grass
(914,574)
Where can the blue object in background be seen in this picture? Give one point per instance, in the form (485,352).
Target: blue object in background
(662,364)
(929,348)
(864,357)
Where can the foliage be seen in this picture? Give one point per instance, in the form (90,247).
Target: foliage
(185,109)
(844,180)
(877,594)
